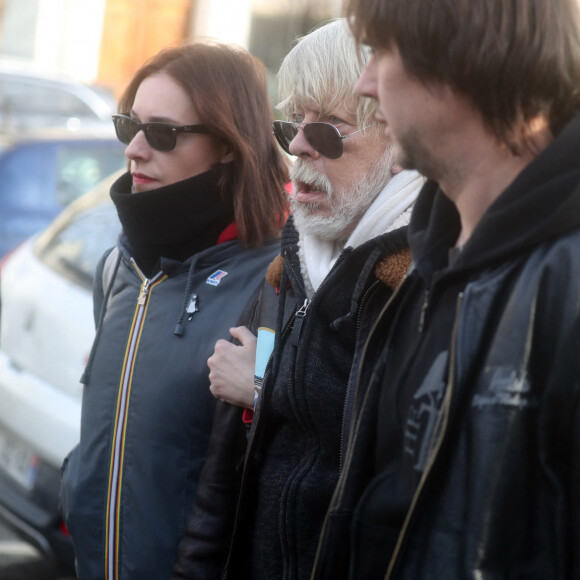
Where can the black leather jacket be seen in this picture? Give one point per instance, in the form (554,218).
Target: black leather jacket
(500,495)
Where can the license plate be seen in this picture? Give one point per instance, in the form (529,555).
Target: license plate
(18,460)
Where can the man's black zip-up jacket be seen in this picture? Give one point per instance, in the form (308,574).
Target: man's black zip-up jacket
(293,455)
(499,496)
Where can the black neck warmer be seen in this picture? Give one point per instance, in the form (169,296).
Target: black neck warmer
(175,221)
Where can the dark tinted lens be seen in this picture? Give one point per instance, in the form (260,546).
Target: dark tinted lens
(284,133)
(325,139)
(126,129)
(160,137)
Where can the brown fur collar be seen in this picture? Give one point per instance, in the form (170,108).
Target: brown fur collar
(390,270)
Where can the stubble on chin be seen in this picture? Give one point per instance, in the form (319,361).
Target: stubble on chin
(411,153)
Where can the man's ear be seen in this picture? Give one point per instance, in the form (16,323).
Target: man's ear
(396,169)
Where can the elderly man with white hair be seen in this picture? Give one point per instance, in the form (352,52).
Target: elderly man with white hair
(343,252)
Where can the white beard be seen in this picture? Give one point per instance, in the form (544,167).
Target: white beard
(346,207)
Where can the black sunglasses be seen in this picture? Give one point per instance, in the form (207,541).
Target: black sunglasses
(160,136)
(322,137)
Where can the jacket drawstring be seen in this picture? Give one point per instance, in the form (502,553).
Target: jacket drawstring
(179,329)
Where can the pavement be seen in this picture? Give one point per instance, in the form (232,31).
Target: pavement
(21,561)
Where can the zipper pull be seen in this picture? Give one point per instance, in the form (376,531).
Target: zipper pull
(298,322)
(144,292)
(424,311)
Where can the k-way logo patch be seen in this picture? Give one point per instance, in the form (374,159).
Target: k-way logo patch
(216,278)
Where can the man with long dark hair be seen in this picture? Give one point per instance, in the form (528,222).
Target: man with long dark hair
(463,453)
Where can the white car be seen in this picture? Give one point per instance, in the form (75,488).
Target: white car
(46,331)
(30,99)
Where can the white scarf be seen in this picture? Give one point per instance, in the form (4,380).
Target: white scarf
(390,210)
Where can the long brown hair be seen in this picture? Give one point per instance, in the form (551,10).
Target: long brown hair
(513,59)
(227,87)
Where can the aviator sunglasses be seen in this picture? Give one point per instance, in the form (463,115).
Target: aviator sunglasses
(160,136)
(322,137)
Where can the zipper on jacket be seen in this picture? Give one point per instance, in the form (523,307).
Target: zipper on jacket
(339,489)
(424,310)
(394,295)
(348,386)
(117,450)
(144,292)
(441,427)
(299,321)
(293,326)
(296,278)
(251,447)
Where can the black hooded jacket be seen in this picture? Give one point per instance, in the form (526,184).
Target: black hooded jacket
(496,492)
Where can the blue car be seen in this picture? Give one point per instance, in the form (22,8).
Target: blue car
(42,173)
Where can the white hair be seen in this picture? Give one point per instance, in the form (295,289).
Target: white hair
(323,68)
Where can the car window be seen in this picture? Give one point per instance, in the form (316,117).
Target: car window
(28,177)
(23,97)
(48,176)
(79,169)
(76,248)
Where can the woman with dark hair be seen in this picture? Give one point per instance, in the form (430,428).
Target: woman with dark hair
(201,207)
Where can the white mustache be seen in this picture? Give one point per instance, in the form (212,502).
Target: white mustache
(302,172)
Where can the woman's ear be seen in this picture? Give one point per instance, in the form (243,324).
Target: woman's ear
(227,157)
(227,153)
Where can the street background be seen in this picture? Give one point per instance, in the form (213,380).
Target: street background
(105,41)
